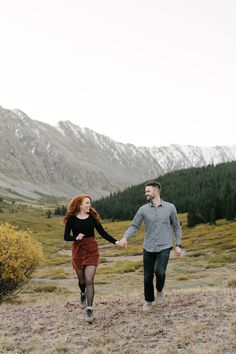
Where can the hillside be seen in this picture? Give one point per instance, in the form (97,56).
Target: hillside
(39,160)
(209,191)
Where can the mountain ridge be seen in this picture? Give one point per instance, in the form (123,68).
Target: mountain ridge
(38,158)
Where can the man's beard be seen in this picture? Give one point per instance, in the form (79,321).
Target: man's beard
(150,197)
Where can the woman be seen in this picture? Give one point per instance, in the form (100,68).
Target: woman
(81,219)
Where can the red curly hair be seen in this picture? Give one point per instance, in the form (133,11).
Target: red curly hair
(74,208)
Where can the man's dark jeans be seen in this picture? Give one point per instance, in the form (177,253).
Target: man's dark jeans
(154,262)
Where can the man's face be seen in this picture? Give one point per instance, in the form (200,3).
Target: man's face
(151,192)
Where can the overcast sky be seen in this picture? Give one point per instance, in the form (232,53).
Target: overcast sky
(145,72)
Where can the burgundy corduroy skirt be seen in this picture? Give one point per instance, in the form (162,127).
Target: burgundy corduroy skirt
(85,252)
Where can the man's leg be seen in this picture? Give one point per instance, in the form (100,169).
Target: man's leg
(162,259)
(148,265)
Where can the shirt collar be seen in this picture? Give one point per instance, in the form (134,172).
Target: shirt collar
(153,206)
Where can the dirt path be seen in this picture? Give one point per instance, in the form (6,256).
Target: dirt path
(198,321)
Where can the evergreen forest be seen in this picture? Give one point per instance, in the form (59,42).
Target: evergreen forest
(206,194)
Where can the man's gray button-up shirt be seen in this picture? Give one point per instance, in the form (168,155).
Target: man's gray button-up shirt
(161,223)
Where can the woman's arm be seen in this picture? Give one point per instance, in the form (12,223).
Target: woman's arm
(104,234)
(68,229)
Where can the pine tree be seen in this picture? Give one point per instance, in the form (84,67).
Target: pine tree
(212,217)
(229,208)
(49,214)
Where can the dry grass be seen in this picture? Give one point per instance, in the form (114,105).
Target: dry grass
(198,317)
(191,321)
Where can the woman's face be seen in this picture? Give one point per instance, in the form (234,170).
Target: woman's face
(86,205)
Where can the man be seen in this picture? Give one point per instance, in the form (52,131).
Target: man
(161,221)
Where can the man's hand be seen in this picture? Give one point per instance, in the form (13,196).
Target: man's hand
(120,244)
(177,251)
(123,242)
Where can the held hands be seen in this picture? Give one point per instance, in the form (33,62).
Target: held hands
(177,251)
(79,237)
(122,243)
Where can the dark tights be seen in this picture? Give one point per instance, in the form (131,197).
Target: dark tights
(86,281)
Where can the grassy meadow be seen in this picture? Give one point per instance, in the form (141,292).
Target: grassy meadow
(200,289)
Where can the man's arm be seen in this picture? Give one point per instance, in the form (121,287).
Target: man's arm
(133,228)
(177,230)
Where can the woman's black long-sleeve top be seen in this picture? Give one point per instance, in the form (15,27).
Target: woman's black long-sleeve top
(86,227)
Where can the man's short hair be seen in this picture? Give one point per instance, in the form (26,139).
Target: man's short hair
(153,184)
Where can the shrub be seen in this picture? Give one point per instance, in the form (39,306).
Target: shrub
(49,288)
(20,254)
(232,283)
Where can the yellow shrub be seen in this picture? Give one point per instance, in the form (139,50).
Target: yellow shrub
(20,254)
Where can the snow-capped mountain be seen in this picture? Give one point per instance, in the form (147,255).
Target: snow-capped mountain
(37,159)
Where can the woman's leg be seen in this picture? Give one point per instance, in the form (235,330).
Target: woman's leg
(81,278)
(90,271)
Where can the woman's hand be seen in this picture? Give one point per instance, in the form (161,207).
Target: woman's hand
(79,237)
(118,244)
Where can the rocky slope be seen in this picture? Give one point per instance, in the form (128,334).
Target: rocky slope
(37,158)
